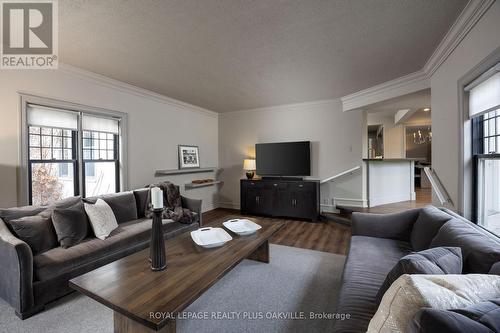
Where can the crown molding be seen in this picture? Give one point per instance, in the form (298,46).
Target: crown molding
(131,89)
(286,107)
(467,19)
(420,79)
(401,86)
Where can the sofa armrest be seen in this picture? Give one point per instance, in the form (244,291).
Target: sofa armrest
(16,279)
(193,205)
(396,226)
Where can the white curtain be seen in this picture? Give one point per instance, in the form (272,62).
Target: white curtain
(47,117)
(100,124)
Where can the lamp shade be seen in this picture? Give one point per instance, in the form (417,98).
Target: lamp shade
(249,164)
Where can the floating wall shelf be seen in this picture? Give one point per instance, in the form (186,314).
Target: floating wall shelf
(184,171)
(191,185)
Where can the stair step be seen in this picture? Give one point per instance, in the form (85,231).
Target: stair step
(348,210)
(339,218)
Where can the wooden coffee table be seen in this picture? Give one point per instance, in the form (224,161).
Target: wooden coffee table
(147,301)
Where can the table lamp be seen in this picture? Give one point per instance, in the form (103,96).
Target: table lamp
(249,167)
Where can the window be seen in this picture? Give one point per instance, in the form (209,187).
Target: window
(70,153)
(484,110)
(51,164)
(100,161)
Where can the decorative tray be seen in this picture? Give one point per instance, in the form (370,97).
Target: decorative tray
(210,237)
(242,226)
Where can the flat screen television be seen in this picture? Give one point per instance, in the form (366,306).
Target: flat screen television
(291,159)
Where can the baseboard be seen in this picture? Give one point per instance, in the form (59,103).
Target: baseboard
(209,206)
(351,202)
(228,204)
(329,209)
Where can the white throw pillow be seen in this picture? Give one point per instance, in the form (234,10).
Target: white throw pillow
(410,293)
(101,217)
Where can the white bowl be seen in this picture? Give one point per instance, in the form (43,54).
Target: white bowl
(210,237)
(242,226)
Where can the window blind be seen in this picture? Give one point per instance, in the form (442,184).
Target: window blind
(484,93)
(99,124)
(38,115)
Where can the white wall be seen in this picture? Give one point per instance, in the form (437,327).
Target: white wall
(336,138)
(156,127)
(482,40)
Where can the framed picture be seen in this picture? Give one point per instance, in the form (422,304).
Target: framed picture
(188,157)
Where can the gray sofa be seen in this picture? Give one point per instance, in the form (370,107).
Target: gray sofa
(28,282)
(380,240)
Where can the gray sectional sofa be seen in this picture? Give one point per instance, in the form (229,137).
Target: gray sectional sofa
(28,282)
(380,240)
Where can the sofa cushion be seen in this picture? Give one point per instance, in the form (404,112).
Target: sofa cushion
(495,269)
(439,260)
(444,321)
(410,293)
(64,203)
(8,214)
(71,225)
(123,205)
(429,221)
(366,267)
(479,250)
(59,261)
(486,313)
(101,217)
(141,197)
(37,231)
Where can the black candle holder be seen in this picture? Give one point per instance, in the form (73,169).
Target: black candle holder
(157,244)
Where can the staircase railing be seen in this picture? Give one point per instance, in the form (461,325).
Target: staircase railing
(438,186)
(343,173)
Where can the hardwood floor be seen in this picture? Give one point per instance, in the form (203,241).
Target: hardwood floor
(325,236)
(423,198)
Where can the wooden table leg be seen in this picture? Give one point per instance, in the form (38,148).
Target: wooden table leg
(261,254)
(123,324)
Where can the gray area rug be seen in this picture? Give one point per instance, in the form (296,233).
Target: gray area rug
(253,297)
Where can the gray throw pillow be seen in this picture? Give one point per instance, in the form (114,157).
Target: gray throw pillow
(64,203)
(495,269)
(429,320)
(37,231)
(71,225)
(428,223)
(479,250)
(123,205)
(440,260)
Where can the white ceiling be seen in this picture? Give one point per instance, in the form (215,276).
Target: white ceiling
(415,102)
(228,55)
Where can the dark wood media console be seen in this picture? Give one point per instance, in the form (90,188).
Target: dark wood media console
(280,198)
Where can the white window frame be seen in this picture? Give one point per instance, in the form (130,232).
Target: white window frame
(27,98)
(465,158)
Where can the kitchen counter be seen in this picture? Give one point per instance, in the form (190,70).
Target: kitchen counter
(389,180)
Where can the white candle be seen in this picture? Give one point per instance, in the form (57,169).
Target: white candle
(156,198)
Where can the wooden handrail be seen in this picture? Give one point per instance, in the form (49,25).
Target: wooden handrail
(347,172)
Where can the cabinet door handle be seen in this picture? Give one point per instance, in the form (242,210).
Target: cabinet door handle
(301,185)
(275,185)
(257,200)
